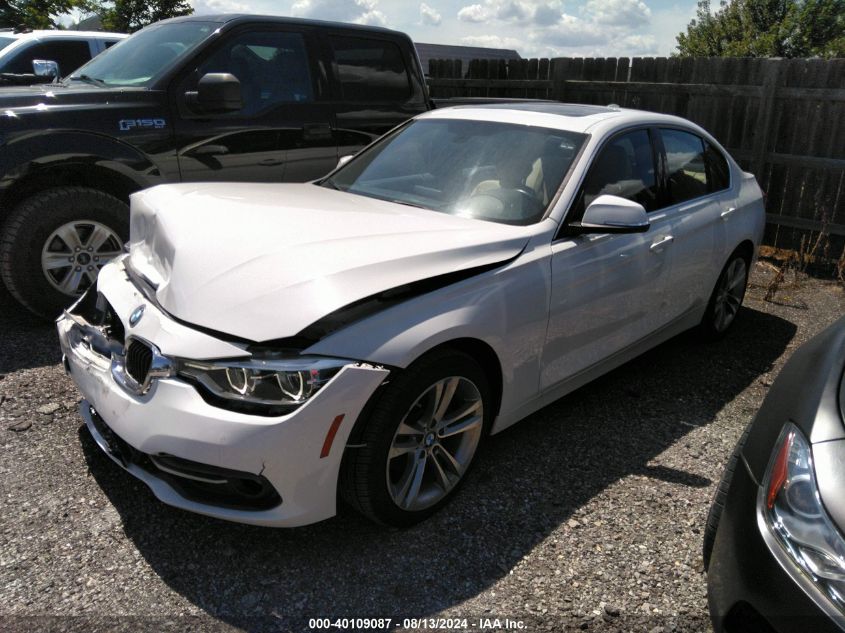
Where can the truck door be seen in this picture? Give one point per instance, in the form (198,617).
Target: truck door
(284,132)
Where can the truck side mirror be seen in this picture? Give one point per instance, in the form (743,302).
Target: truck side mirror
(45,69)
(216,92)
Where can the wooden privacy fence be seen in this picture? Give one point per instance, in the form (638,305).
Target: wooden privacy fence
(782,119)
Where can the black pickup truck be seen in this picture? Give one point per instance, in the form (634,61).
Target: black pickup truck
(223,98)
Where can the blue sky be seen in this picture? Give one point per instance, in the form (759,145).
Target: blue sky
(535,28)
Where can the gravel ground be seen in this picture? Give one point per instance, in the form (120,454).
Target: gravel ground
(586,516)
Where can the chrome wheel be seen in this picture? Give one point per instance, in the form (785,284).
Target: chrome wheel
(74,254)
(729,294)
(435,443)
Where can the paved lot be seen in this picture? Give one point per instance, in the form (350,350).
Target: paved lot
(588,515)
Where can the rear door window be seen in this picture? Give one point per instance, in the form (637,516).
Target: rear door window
(370,70)
(686,166)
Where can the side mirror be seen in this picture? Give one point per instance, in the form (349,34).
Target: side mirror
(612,214)
(45,69)
(216,93)
(343,160)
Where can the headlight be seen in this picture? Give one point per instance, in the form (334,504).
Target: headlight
(794,512)
(272,386)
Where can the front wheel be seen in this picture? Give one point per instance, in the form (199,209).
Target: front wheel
(419,440)
(55,243)
(726,299)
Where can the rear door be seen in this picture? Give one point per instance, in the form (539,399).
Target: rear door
(284,132)
(375,86)
(699,204)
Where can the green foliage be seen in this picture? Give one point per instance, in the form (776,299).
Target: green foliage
(34,14)
(127,16)
(766,28)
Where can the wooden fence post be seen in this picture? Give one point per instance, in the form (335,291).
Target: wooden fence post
(768,98)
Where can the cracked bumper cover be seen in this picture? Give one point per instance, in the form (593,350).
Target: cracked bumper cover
(173,419)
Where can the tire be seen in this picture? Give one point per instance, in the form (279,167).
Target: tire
(46,272)
(374,483)
(726,299)
(720,497)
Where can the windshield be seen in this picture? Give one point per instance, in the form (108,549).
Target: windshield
(137,60)
(500,172)
(5,41)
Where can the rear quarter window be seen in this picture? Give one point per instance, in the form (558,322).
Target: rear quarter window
(370,70)
(718,172)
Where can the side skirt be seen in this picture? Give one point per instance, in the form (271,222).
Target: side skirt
(683,323)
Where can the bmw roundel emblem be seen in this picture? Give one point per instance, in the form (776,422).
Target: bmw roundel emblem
(136,315)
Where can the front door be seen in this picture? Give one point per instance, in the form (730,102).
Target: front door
(608,290)
(284,132)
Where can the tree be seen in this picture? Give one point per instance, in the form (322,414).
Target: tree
(127,16)
(766,28)
(34,14)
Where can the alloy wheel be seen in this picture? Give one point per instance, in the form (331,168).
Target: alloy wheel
(435,443)
(74,254)
(729,294)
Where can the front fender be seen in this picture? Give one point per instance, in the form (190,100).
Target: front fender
(506,308)
(32,153)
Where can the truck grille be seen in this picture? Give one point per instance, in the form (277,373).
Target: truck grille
(139,358)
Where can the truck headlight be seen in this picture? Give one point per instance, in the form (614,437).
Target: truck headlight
(793,510)
(270,385)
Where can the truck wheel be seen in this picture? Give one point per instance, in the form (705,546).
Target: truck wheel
(54,244)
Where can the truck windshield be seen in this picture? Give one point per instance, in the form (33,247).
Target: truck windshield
(139,59)
(5,41)
(489,170)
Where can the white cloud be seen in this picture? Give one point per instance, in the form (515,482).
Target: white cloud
(430,15)
(492,41)
(355,11)
(473,13)
(626,13)
(513,11)
(572,31)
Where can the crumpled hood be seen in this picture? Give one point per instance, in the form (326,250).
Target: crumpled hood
(264,261)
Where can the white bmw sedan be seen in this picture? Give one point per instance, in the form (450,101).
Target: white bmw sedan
(263,350)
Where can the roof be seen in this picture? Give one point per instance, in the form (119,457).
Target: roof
(464,53)
(64,34)
(279,19)
(559,116)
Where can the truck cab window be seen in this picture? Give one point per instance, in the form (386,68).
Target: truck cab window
(370,70)
(272,66)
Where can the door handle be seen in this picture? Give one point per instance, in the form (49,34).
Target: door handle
(656,247)
(271,162)
(724,215)
(209,150)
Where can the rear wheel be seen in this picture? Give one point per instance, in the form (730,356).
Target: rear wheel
(55,243)
(726,299)
(419,440)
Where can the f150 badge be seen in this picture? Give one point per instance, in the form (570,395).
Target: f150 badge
(132,124)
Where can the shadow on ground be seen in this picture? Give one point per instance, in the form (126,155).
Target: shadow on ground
(526,483)
(28,340)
